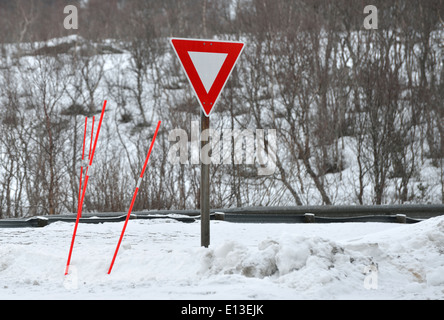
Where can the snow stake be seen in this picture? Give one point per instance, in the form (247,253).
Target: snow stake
(139,181)
(79,209)
(81,165)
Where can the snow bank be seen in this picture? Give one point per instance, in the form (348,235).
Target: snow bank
(162,259)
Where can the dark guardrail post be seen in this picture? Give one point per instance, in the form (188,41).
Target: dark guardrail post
(219,216)
(309,217)
(401,218)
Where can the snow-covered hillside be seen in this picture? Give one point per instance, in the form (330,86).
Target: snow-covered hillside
(341,155)
(162,259)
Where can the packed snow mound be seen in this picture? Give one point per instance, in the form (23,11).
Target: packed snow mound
(275,257)
(407,260)
(162,259)
(414,255)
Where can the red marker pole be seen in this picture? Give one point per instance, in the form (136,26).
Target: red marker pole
(89,158)
(79,210)
(134,197)
(92,134)
(81,166)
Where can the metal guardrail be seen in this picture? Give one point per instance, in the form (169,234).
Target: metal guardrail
(312,218)
(42,221)
(413,211)
(297,214)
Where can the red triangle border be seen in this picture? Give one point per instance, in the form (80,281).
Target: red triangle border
(233,49)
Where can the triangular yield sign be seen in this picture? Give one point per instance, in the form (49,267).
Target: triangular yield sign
(207,64)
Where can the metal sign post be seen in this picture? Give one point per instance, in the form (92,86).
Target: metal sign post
(204,187)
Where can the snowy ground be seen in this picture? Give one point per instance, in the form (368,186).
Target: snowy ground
(162,259)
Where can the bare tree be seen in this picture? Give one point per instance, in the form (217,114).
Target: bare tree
(46,88)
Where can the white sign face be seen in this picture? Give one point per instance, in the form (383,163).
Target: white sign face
(208,65)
